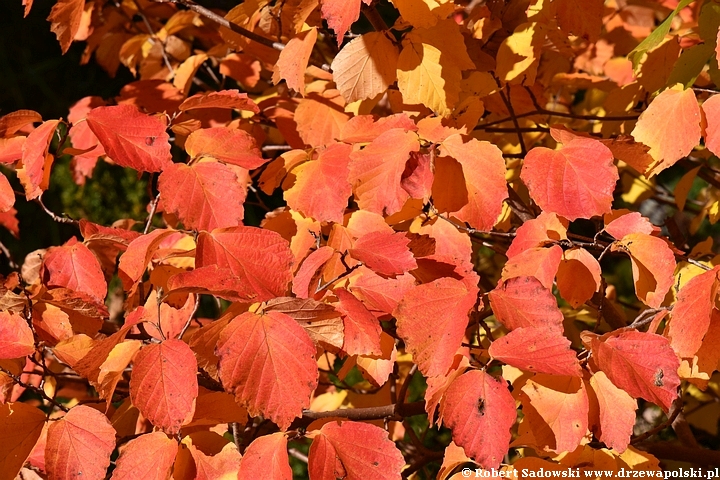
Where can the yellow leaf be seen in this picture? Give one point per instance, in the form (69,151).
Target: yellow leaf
(519,54)
(683,187)
(365,67)
(424,13)
(421,78)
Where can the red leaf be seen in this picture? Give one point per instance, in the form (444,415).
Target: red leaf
(417,179)
(65,21)
(268,362)
(537,349)
(643,364)
(213,280)
(164,384)
(340,14)
(362,329)
(384,252)
(562,403)
(537,232)
(355,451)
(576,181)
(79,445)
(131,138)
(376,171)
(83,138)
(11,149)
(231,99)
(480,412)
(366,128)
(653,265)
(624,224)
(35,171)
(205,196)
(267,458)
(16,337)
(148,456)
(74,266)
(524,302)
(711,108)
(539,262)
(233,146)
(321,190)
(259,258)
(432,319)
(692,312)
(308,270)
(617,413)
(437,386)
(378,293)
(484,169)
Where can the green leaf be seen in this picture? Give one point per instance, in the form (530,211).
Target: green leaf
(656,36)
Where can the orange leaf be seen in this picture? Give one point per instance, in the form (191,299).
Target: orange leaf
(366,128)
(365,67)
(537,349)
(164,384)
(541,263)
(384,252)
(79,445)
(148,456)
(692,312)
(340,14)
(229,99)
(437,386)
(233,146)
(484,169)
(546,228)
(268,362)
(321,189)
(65,19)
(362,330)
(432,319)
(711,109)
(204,196)
(11,149)
(16,337)
(131,138)
(576,181)
(294,60)
(267,458)
(562,402)
(20,427)
(617,413)
(36,162)
(643,364)
(624,222)
(320,118)
(138,255)
(307,272)
(583,20)
(578,276)
(653,265)
(14,121)
(379,293)
(334,453)
(480,412)
(113,367)
(524,302)
(670,126)
(376,171)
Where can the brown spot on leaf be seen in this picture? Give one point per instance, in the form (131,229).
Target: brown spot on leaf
(658,379)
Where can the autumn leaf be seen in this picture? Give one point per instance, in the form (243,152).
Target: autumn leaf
(524,302)
(711,110)
(266,457)
(353,450)
(65,21)
(623,222)
(376,171)
(366,66)
(164,384)
(138,255)
(643,364)
(616,411)
(131,138)
(384,252)
(670,127)
(361,328)
(539,262)
(294,60)
(578,276)
(340,14)
(14,121)
(321,189)
(34,173)
(228,99)
(432,319)
(74,266)
(20,427)
(537,349)
(480,411)
(150,456)
(268,362)
(653,264)
(79,444)
(576,181)
(224,464)
(204,195)
(16,337)
(236,147)
(547,228)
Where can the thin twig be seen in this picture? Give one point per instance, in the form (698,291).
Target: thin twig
(141,12)
(189,320)
(35,389)
(153,209)
(53,215)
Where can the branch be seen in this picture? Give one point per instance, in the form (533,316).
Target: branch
(673,451)
(361,414)
(53,215)
(39,391)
